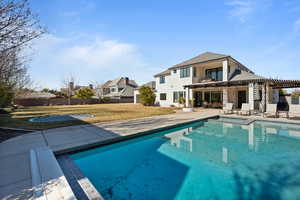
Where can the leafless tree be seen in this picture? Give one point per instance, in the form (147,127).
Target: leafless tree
(18,26)
(68,86)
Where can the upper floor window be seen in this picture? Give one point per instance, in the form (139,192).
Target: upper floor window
(185,72)
(215,74)
(162,79)
(194,72)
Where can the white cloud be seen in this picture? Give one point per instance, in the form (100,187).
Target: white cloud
(297,25)
(89,61)
(244,10)
(241,9)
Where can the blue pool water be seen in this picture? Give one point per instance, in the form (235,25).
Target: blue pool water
(203,160)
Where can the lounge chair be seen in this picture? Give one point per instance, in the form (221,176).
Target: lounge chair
(294,110)
(271,110)
(245,110)
(228,108)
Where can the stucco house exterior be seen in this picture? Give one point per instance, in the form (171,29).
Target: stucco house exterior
(212,80)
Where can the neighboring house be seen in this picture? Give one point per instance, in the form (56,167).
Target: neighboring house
(213,79)
(118,88)
(150,84)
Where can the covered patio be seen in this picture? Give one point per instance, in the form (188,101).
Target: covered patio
(257,92)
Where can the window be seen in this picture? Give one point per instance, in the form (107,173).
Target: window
(216,97)
(207,97)
(177,95)
(162,79)
(112,89)
(194,72)
(185,72)
(174,71)
(215,74)
(163,96)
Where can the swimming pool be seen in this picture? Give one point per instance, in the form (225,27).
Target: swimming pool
(202,160)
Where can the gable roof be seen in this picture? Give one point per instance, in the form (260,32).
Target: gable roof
(118,81)
(240,75)
(204,57)
(151,84)
(165,73)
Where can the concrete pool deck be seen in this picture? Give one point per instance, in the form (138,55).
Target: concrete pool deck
(15,168)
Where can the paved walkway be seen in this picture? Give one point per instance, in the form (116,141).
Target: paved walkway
(15,181)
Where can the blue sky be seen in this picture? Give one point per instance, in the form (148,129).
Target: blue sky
(97,40)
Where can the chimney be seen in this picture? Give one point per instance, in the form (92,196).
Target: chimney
(71,86)
(126,81)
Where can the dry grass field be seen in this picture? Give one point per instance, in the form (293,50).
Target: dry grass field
(102,112)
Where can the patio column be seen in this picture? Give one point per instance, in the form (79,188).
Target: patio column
(263,98)
(225,96)
(187,96)
(251,96)
(267,94)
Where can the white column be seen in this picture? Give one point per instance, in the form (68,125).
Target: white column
(187,96)
(225,96)
(267,94)
(275,95)
(225,70)
(263,98)
(251,95)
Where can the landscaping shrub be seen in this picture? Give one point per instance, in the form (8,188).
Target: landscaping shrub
(147,96)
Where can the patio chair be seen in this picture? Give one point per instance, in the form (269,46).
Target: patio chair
(228,108)
(245,110)
(271,110)
(294,110)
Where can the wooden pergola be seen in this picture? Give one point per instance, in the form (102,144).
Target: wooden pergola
(274,83)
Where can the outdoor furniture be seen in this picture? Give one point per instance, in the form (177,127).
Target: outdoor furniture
(245,110)
(283,114)
(228,108)
(271,110)
(294,110)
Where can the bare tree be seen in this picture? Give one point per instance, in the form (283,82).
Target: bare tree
(18,26)
(68,87)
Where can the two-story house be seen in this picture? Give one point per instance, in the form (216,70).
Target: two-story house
(213,79)
(121,87)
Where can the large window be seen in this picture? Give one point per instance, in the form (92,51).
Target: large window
(162,79)
(215,74)
(163,96)
(216,97)
(213,97)
(185,72)
(177,95)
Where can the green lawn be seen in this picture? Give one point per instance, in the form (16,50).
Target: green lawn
(102,112)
